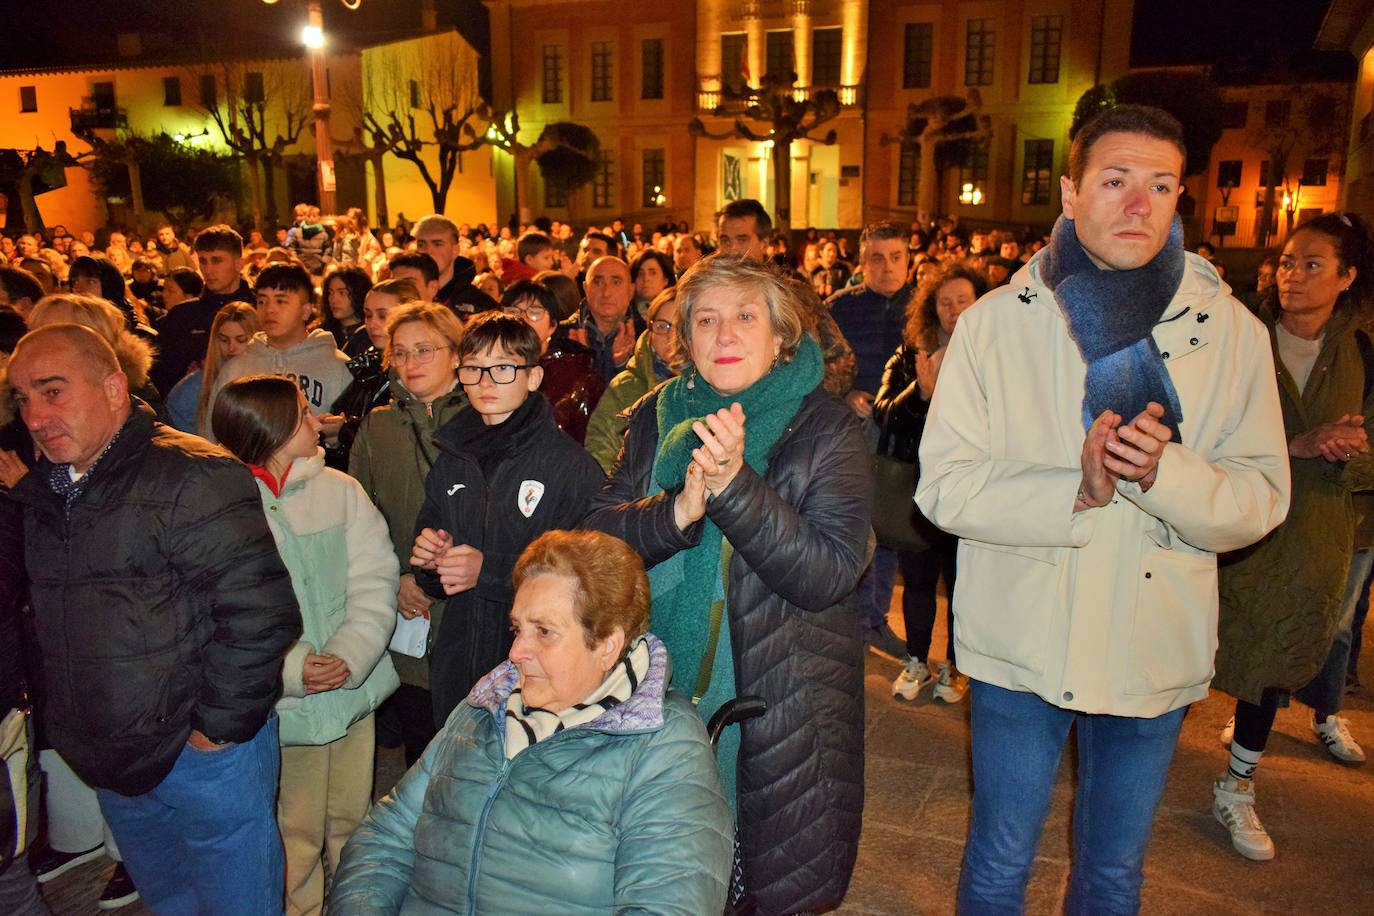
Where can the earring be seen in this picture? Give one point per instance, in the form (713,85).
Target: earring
(692,380)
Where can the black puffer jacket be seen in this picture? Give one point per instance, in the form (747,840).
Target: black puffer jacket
(160,602)
(899,410)
(800,535)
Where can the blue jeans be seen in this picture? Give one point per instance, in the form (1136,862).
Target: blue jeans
(1357,628)
(1122,764)
(876,586)
(1324,692)
(205,841)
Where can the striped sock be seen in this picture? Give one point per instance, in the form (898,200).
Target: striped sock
(1243,762)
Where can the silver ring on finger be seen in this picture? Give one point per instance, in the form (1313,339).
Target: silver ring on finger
(723,462)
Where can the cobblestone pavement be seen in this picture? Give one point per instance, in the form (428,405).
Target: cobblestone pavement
(1319,812)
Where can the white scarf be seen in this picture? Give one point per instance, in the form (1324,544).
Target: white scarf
(527,725)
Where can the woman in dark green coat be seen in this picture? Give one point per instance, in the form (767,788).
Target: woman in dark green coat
(391,458)
(1281,598)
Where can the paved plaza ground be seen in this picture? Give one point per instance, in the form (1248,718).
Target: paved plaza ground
(1319,812)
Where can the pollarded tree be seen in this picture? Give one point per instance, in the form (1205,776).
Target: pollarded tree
(944,130)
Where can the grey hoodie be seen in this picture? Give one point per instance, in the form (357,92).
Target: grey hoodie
(314,363)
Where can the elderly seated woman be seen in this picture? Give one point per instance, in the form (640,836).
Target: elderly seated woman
(573,779)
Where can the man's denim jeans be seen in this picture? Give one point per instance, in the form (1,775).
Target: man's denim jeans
(1324,692)
(205,841)
(1122,764)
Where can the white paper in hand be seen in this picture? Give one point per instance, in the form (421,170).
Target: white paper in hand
(411,636)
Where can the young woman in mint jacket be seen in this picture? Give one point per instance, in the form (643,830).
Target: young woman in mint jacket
(335,544)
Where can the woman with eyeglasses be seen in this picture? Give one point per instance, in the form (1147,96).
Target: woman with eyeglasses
(391,458)
(571,383)
(654,361)
(503,475)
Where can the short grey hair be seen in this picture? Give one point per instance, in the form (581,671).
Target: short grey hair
(748,277)
(885,231)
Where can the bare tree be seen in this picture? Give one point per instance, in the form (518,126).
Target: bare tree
(422,97)
(1311,120)
(788,117)
(935,125)
(259,114)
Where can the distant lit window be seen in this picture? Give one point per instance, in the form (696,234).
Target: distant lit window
(1047,38)
(918,48)
(651,68)
(655,179)
(1037,171)
(908,174)
(973,177)
(1276,112)
(780,60)
(734,67)
(980,40)
(1228,173)
(1314,172)
(1234,115)
(253,89)
(553,75)
(28,98)
(827,46)
(601,71)
(209,98)
(171,90)
(603,185)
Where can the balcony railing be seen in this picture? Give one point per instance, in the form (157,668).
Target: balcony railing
(98,117)
(737,102)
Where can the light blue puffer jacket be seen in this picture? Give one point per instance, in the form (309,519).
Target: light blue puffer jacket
(622,815)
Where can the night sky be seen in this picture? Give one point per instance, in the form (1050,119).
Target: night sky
(48,32)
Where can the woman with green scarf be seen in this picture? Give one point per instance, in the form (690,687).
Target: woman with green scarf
(746,489)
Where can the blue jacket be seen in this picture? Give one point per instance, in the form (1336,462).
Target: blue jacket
(872,323)
(622,815)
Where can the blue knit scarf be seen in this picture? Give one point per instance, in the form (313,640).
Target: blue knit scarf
(1111,314)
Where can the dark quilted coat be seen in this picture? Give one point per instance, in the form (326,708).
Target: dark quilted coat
(160,603)
(800,535)
(1281,598)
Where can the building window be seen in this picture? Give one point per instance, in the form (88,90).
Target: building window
(734,62)
(1265,179)
(1234,115)
(782,63)
(1037,171)
(973,177)
(414,93)
(603,185)
(979,42)
(917,52)
(209,98)
(1276,113)
(1314,173)
(826,48)
(171,90)
(1228,173)
(555,194)
(553,75)
(601,71)
(28,98)
(651,69)
(908,174)
(253,89)
(103,95)
(655,179)
(1047,35)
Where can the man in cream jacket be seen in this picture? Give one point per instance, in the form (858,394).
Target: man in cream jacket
(1103,427)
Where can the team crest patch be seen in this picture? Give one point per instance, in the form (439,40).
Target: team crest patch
(531,491)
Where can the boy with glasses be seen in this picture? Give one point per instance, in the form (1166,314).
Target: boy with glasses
(504,475)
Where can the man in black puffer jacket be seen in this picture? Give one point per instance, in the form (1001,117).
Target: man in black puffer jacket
(163,613)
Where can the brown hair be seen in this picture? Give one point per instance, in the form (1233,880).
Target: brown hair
(256,415)
(1123,119)
(922,329)
(612,589)
(239,313)
(496,329)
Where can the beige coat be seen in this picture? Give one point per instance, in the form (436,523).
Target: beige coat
(1110,610)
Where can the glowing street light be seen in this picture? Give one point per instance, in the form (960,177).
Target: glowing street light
(312,36)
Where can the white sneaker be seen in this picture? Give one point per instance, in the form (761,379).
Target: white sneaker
(1227,731)
(950,687)
(1233,804)
(1335,734)
(914,677)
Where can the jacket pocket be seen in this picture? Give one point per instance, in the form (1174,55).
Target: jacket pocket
(1004,601)
(1174,634)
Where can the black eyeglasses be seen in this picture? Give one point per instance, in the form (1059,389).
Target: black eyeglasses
(503,374)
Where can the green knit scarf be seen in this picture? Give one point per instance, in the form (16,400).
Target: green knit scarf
(685,585)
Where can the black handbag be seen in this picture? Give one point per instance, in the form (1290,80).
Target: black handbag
(896,522)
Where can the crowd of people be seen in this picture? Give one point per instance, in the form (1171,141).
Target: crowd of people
(532,507)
